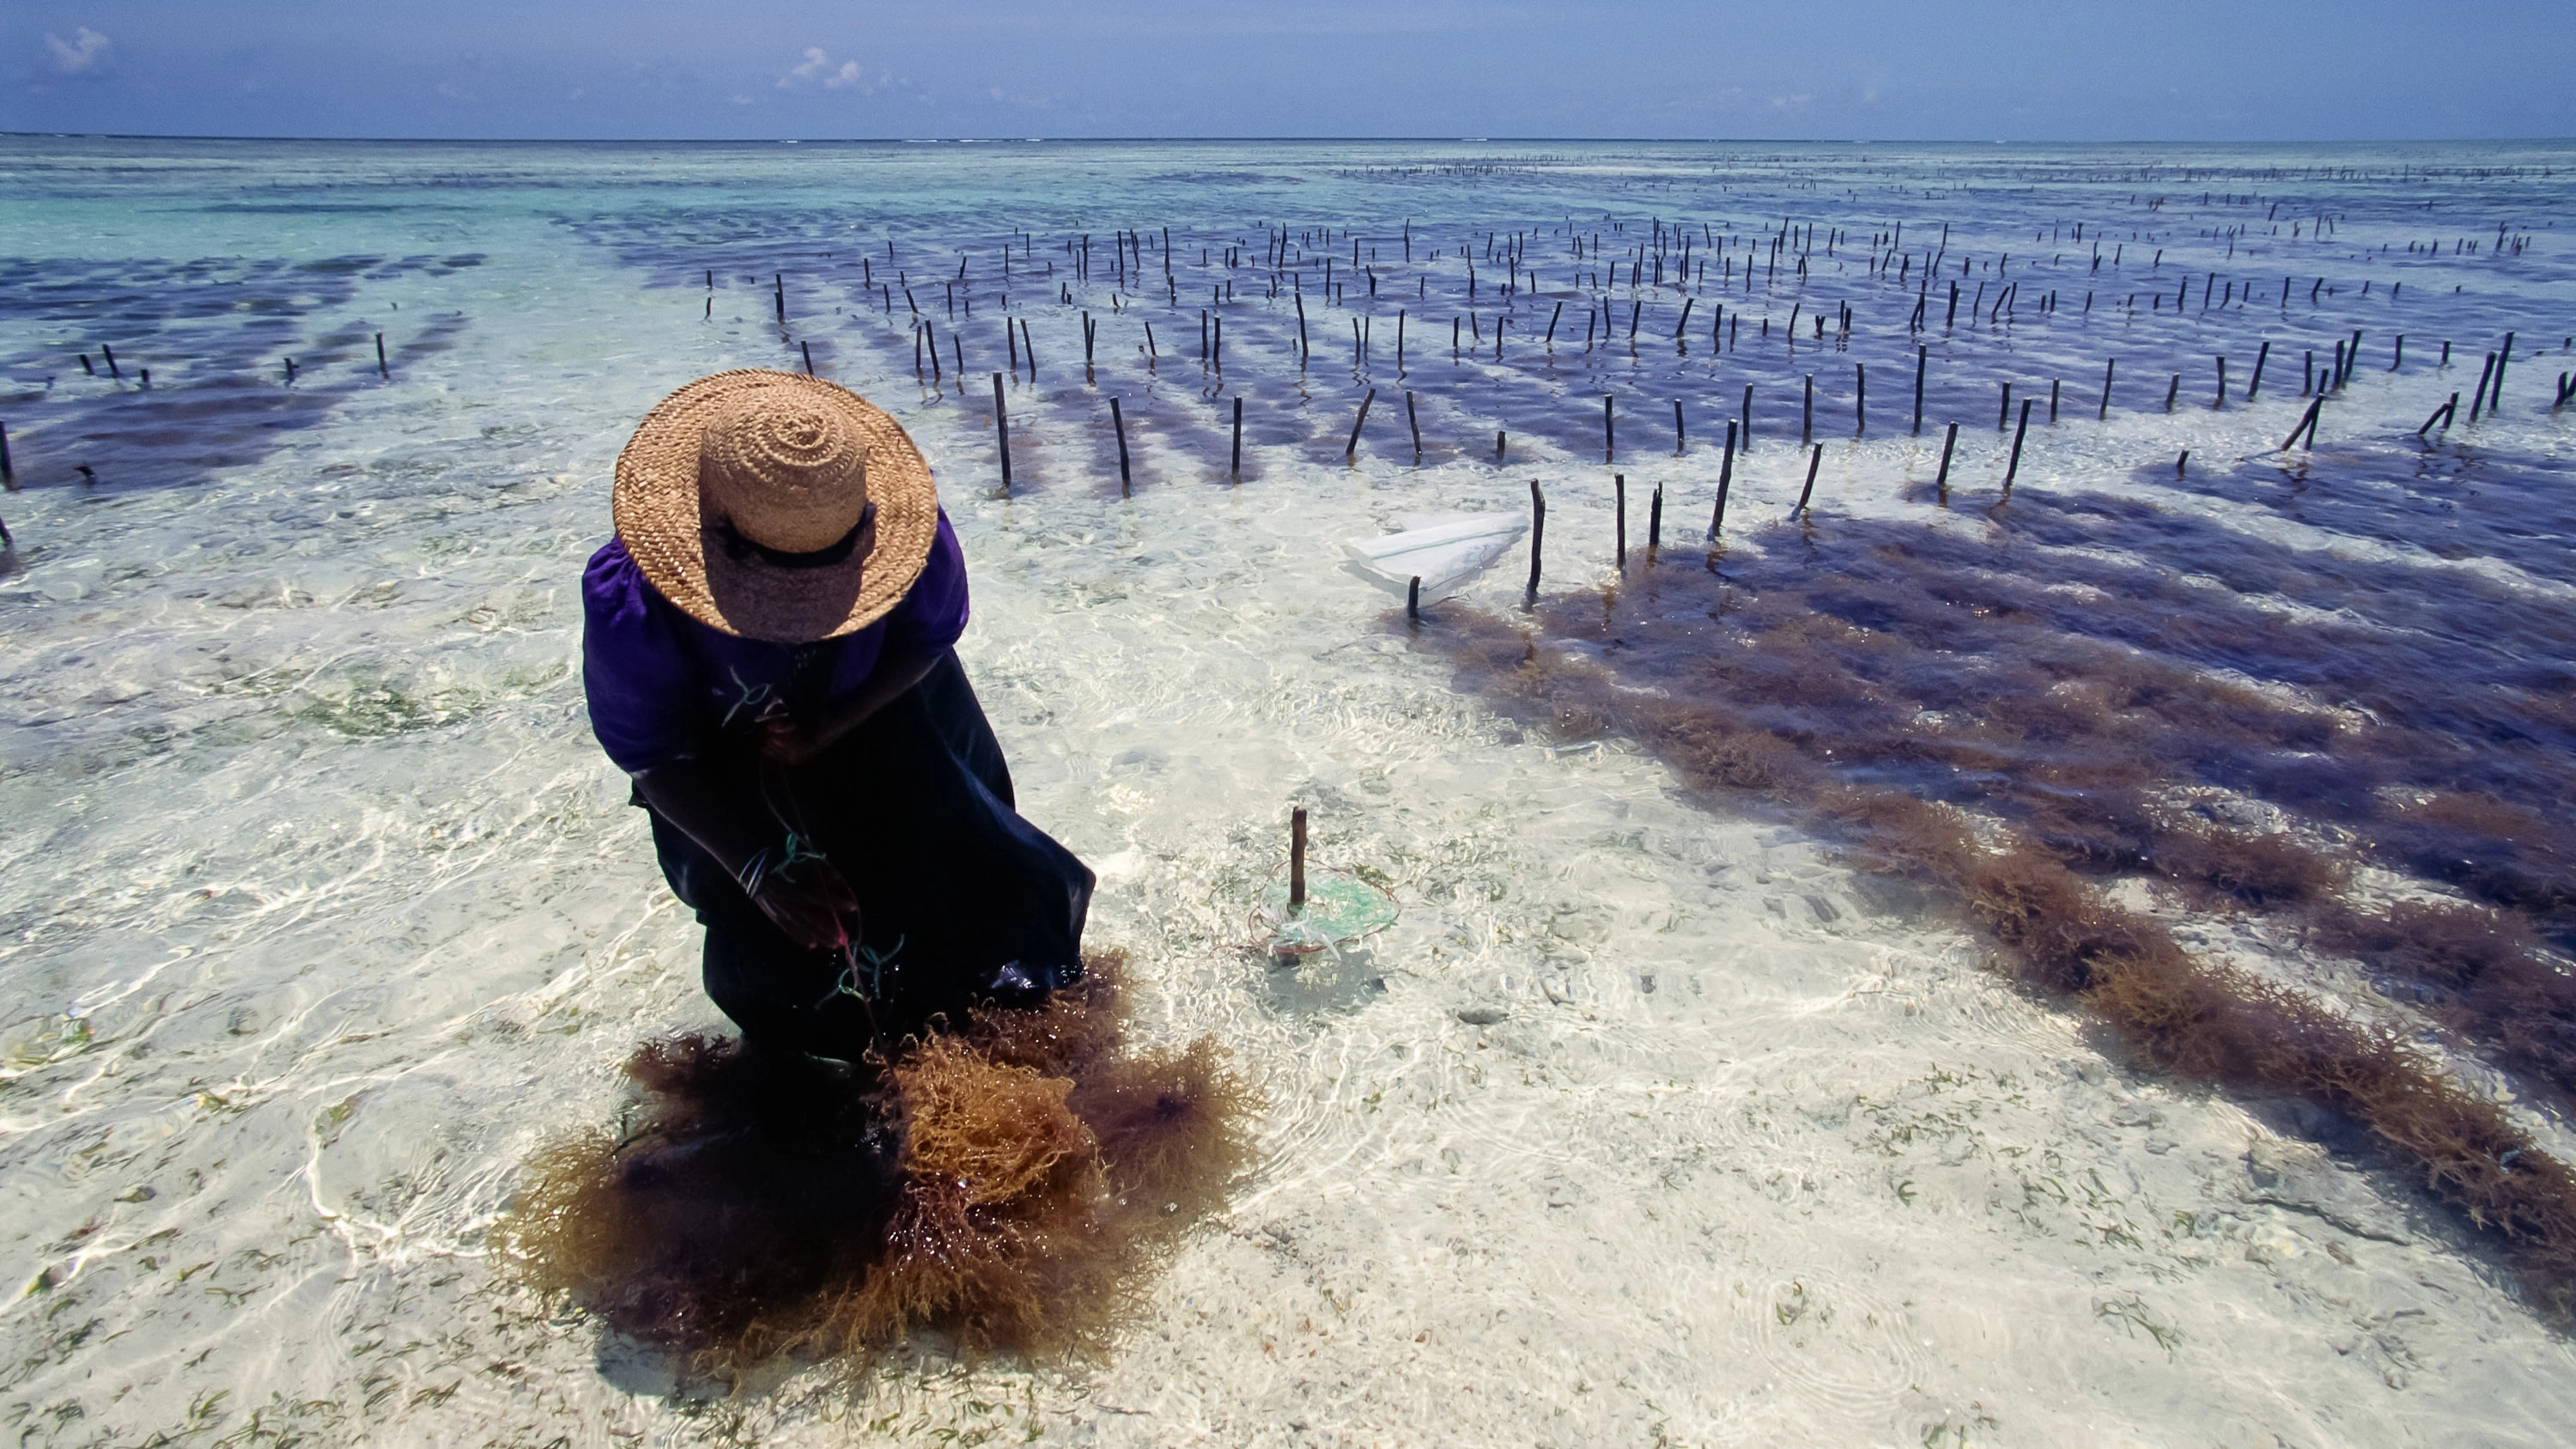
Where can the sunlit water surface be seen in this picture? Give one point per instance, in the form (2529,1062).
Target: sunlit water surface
(1647,1123)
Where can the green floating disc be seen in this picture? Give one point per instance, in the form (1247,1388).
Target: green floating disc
(1339,909)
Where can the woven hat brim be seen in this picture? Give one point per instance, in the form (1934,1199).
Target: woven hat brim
(662,519)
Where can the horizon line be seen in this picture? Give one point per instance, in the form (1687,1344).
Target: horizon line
(1446,140)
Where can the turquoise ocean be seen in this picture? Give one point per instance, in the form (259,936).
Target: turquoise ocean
(1655,1118)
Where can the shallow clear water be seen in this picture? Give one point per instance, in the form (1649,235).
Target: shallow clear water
(319,910)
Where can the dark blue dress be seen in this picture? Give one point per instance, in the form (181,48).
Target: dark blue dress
(960,899)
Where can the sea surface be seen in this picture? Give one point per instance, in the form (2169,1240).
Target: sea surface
(1659,1117)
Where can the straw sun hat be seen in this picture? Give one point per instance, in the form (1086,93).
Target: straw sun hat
(775,506)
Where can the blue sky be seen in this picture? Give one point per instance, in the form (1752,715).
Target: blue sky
(1856,69)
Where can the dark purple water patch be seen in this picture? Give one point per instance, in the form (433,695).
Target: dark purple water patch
(214,335)
(1974,669)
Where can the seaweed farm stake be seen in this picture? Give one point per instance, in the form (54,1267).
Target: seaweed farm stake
(8,472)
(2173,391)
(2440,415)
(2107,365)
(1538,531)
(1815,460)
(1001,427)
(1118,424)
(1619,491)
(1413,600)
(1609,436)
(1949,441)
(1297,858)
(809,357)
(1807,420)
(2220,401)
(1498,445)
(1353,448)
(1550,339)
(2478,401)
(2307,424)
(2495,395)
(1414,420)
(1238,437)
(1725,476)
(1654,522)
(1860,397)
(1680,440)
(1031,348)
(1922,362)
(2014,466)
(2254,384)
(2054,384)
(382,371)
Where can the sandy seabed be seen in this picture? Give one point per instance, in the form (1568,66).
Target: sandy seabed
(1649,1122)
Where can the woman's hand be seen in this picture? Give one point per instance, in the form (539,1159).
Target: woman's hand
(786,742)
(810,904)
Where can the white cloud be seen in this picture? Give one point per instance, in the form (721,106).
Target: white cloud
(86,53)
(817,66)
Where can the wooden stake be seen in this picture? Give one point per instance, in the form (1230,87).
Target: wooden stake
(1351,450)
(1413,420)
(1654,522)
(1609,435)
(1949,441)
(1725,477)
(1118,424)
(1238,437)
(1619,490)
(2107,367)
(2254,384)
(1538,532)
(2014,466)
(381,370)
(2307,424)
(1001,426)
(1815,460)
(1413,600)
(809,357)
(1297,859)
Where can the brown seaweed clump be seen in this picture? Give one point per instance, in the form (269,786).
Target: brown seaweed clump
(1008,1188)
(1787,725)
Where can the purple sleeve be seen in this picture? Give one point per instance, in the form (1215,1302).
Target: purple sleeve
(633,668)
(933,614)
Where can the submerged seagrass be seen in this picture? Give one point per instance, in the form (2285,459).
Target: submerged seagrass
(1010,1187)
(1992,754)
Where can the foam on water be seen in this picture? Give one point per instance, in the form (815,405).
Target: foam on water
(320,912)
